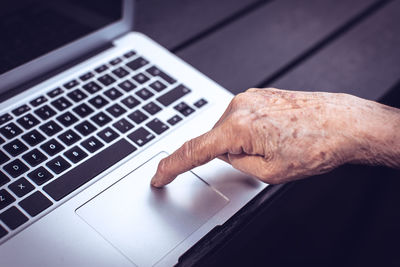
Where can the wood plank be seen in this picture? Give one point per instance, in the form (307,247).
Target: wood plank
(173,22)
(244,53)
(364,61)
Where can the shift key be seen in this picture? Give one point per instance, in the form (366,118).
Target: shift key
(173,95)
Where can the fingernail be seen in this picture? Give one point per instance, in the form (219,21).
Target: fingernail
(154,181)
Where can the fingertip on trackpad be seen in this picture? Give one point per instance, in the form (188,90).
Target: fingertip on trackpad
(145,223)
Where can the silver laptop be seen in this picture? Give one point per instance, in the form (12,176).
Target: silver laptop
(88,109)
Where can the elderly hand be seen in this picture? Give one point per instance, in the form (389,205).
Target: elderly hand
(279,136)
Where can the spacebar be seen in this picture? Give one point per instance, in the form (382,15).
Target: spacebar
(89,169)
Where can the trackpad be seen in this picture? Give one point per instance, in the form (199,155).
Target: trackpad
(145,223)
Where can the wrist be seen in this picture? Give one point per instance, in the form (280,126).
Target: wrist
(376,133)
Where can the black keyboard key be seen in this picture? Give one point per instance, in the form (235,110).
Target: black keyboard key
(113,93)
(15,147)
(75,154)
(127,86)
(21,187)
(101,119)
(138,116)
(55,92)
(61,103)
(108,135)
(5,199)
(3,157)
(50,128)
(87,170)
(86,76)
(34,157)
(123,125)
(15,168)
(174,120)
(130,102)
(3,232)
(116,110)
(201,102)
(101,68)
(40,175)
(85,128)
(21,110)
(5,118)
(157,72)
(2,140)
(140,78)
(141,136)
(151,108)
(13,218)
(98,101)
(173,95)
(92,144)
(77,95)
(129,54)
(83,110)
(115,61)
(45,112)
(58,165)
(38,101)
(106,79)
(35,203)
(120,72)
(33,138)
(52,147)
(28,121)
(137,63)
(67,119)
(158,86)
(71,84)
(69,137)
(144,94)
(3,178)
(92,87)
(184,109)
(10,130)
(157,126)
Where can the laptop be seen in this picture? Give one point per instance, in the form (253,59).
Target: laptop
(89,107)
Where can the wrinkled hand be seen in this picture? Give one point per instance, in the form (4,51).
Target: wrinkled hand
(278,136)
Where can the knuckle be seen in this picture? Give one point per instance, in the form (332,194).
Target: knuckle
(187,148)
(239,99)
(240,120)
(253,90)
(162,166)
(188,152)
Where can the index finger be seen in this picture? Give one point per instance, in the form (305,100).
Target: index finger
(191,154)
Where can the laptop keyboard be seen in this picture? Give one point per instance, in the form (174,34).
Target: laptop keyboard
(53,144)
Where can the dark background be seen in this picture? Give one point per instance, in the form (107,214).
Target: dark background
(349,217)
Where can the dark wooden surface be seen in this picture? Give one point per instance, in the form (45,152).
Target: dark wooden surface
(349,216)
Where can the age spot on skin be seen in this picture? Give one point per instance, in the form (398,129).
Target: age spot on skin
(294,134)
(322,154)
(294,118)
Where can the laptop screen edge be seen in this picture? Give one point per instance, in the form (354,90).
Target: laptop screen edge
(69,52)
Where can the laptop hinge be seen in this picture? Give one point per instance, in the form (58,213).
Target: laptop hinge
(48,75)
